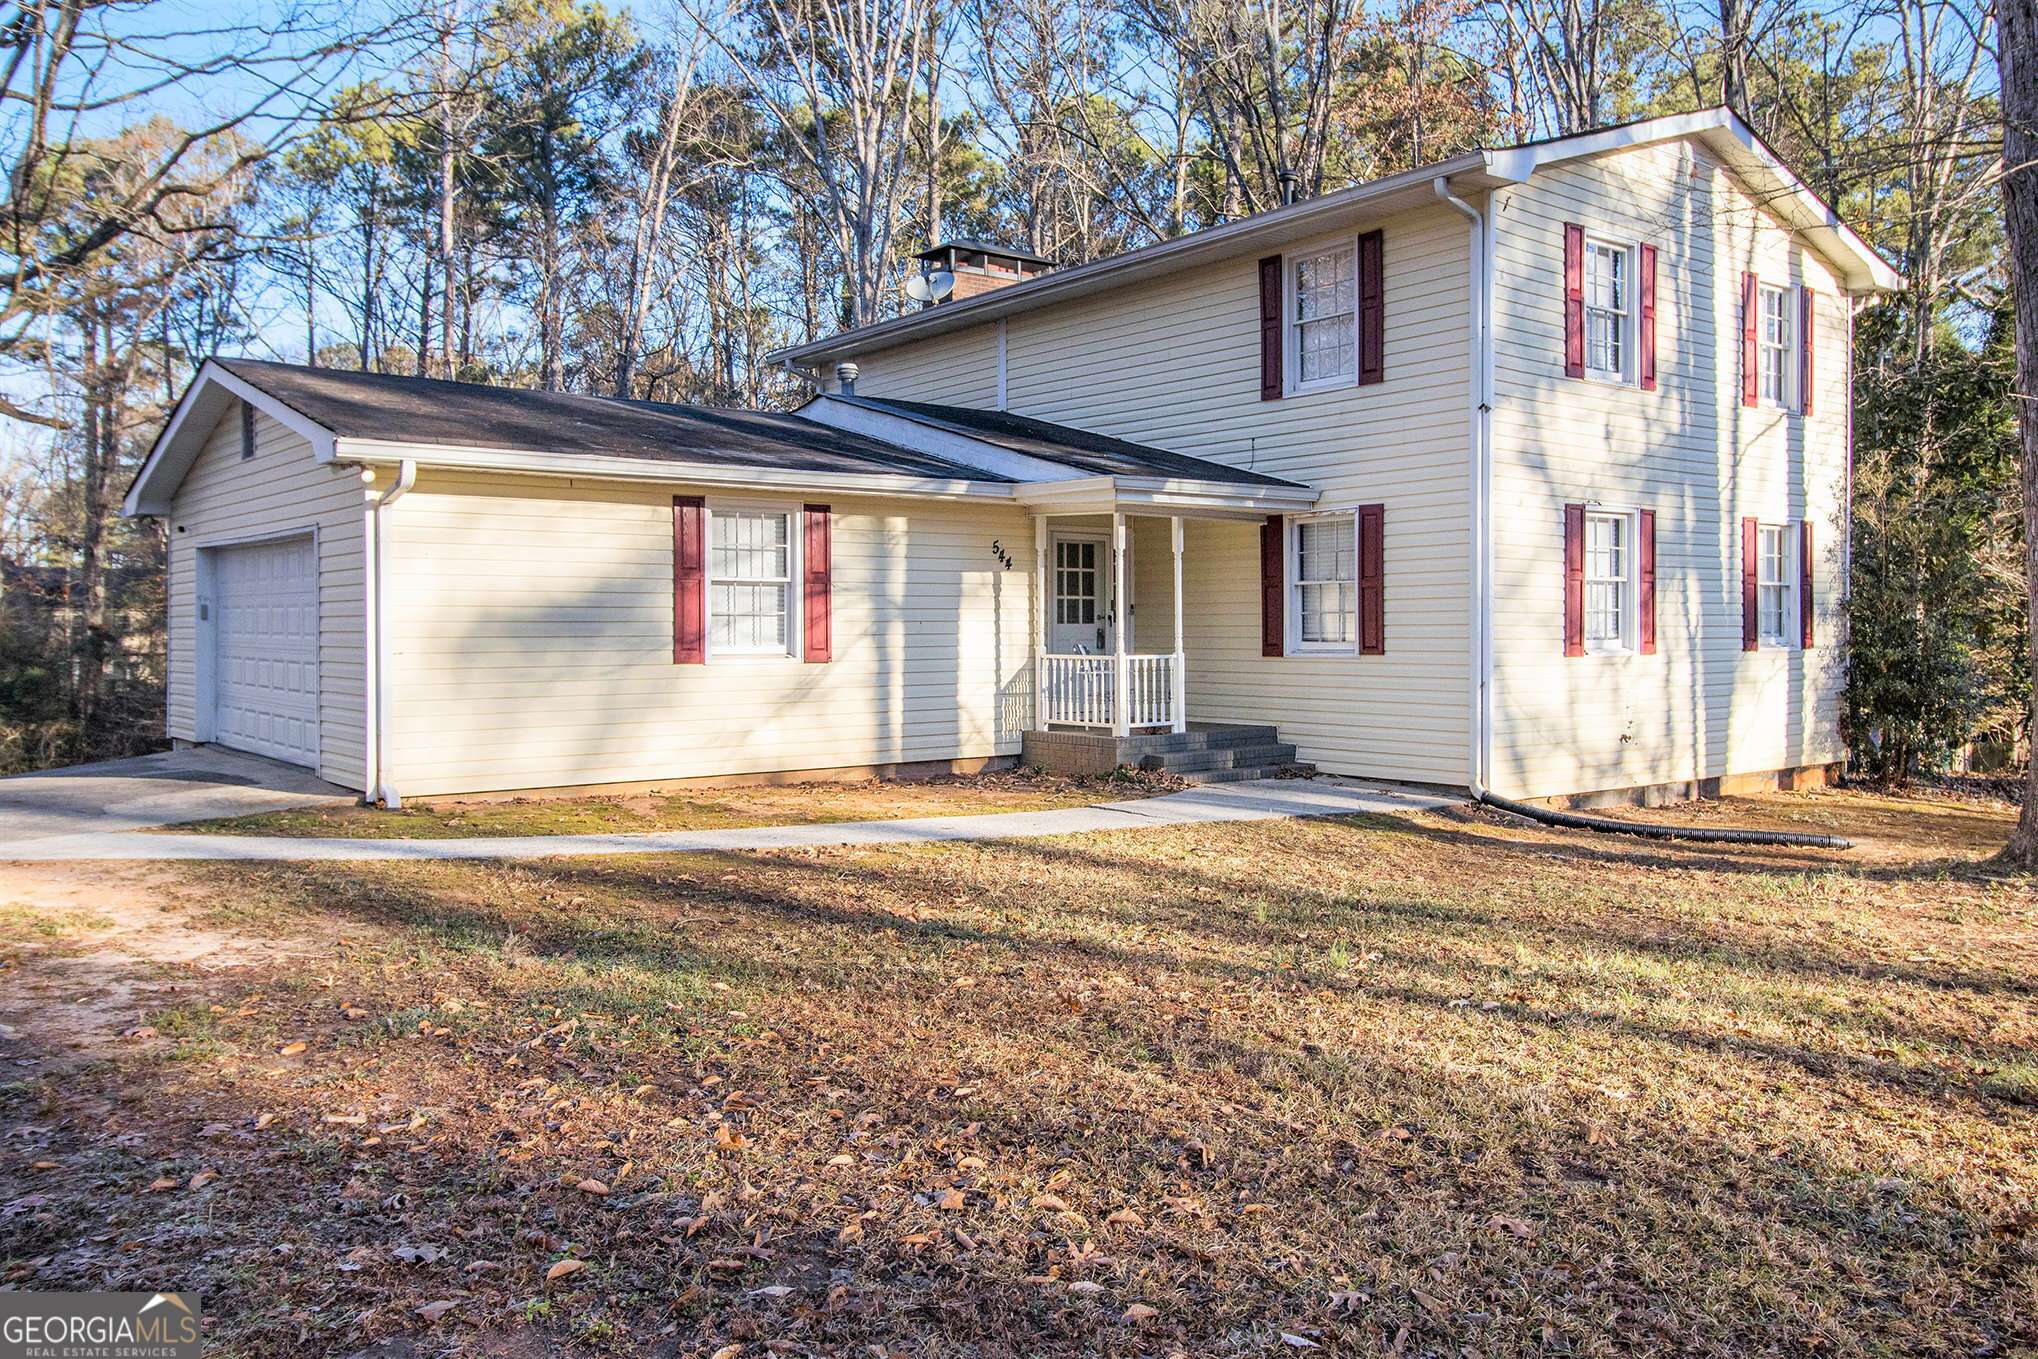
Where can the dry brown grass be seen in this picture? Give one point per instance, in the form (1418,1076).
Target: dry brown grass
(1435,1085)
(697,808)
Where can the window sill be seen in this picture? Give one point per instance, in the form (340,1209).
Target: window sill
(1611,380)
(1321,653)
(1319,388)
(1611,652)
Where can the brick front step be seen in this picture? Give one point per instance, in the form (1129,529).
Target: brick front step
(1206,753)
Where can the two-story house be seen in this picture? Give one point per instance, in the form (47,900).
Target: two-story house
(1527,470)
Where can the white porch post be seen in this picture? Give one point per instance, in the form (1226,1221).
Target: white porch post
(1179,700)
(1043,604)
(1119,712)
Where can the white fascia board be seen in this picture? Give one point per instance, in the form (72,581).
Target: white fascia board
(1161,495)
(1516,163)
(1274,226)
(1736,143)
(930,437)
(1865,269)
(198,410)
(448,457)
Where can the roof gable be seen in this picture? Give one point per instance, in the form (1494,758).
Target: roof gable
(1475,171)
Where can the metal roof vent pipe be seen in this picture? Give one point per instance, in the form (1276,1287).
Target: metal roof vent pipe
(1288,182)
(845,378)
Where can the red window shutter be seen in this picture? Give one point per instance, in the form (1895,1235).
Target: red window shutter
(1574,580)
(1372,308)
(1751,308)
(1270,328)
(1804,584)
(689,580)
(1645,582)
(1804,334)
(1273,585)
(1750,632)
(1372,580)
(1574,300)
(1645,346)
(820,639)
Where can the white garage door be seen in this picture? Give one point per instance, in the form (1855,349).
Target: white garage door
(265,597)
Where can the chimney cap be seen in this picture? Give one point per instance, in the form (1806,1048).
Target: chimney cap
(939,253)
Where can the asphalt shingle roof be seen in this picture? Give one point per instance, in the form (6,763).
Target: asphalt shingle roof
(1098,454)
(398,408)
(359,405)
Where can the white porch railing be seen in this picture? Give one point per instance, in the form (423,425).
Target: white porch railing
(1082,691)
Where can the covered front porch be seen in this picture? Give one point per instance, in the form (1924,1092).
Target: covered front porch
(1110,654)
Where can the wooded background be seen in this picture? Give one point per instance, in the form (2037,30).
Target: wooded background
(643,202)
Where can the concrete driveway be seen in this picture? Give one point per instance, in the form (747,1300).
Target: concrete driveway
(153,790)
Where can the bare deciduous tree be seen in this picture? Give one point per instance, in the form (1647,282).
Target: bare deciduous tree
(837,77)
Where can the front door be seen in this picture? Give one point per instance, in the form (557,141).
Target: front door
(1082,596)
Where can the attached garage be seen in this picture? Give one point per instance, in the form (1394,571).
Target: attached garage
(267,580)
(261,614)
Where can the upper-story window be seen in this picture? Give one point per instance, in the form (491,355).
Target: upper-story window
(1323,318)
(1773,345)
(1609,310)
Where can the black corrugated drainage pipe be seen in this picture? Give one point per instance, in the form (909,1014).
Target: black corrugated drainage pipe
(1701,835)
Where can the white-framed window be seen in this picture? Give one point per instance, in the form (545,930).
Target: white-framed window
(1323,574)
(1774,328)
(1609,582)
(1775,584)
(1323,319)
(752,563)
(1609,310)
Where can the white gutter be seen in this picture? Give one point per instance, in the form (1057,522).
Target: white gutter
(1284,223)
(1103,494)
(603,467)
(1480,475)
(381,788)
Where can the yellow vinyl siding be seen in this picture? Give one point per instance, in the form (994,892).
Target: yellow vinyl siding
(530,631)
(281,490)
(1175,363)
(1701,707)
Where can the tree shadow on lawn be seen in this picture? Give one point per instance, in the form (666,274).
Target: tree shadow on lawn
(814,891)
(1643,929)
(1386,1193)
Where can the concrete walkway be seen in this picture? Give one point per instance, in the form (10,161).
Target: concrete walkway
(1255,801)
(152,790)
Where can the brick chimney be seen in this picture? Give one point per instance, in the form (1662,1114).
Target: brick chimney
(980,268)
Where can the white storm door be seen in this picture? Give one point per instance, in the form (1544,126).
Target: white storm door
(1082,597)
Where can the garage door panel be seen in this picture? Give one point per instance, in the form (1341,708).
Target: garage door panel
(266,602)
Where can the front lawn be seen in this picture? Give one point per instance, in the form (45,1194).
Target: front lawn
(695,808)
(1434,1085)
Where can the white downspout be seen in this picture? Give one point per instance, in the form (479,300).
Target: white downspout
(1480,255)
(380,787)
